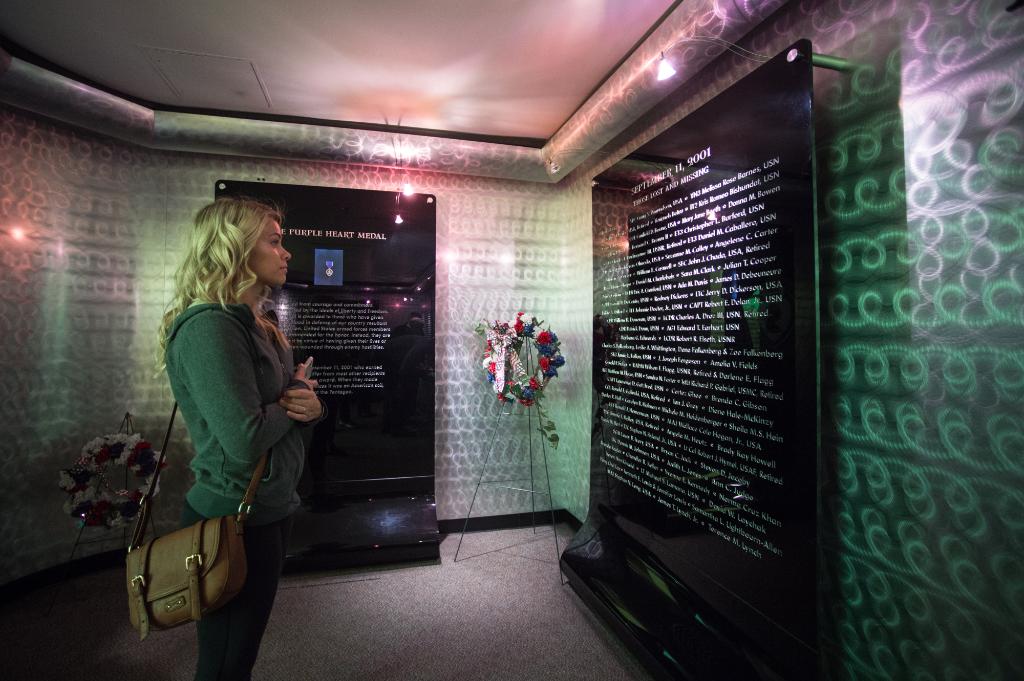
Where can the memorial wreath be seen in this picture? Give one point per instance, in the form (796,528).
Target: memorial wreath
(515,380)
(92,500)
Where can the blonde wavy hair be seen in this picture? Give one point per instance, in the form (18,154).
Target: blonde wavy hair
(215,265)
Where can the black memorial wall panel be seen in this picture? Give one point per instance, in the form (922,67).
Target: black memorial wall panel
(708,375)
(360,300)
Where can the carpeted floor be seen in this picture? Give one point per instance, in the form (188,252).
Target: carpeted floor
(500,612)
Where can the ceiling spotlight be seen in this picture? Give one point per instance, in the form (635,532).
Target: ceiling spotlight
(18,233)
(407,189)
(398,220)
(665,69)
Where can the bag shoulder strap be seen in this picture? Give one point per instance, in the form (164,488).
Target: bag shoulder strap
(139,531)
(250,492)
(137,588)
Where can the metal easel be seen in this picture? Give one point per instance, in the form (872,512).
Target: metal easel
(505,484)
(126,427)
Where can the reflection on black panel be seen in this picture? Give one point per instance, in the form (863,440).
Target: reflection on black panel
(705,365)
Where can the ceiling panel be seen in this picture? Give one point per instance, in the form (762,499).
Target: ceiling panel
(486,67)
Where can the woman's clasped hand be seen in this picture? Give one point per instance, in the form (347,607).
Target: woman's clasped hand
(302,404)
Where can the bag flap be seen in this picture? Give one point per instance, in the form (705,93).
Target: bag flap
(165,572)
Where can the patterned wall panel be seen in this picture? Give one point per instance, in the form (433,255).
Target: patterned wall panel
(71,305)
(81,296)
(921,219)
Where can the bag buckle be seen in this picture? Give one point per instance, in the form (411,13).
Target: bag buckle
(244,508)
(138,582)
(196,558)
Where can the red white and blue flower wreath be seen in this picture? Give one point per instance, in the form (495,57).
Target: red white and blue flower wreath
(503,362)
(92,500)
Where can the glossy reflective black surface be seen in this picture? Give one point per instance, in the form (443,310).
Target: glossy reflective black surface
(359,299)
(666,622)
(332,531)
(701,540)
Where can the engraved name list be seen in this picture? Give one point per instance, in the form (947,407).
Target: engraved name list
(695,382)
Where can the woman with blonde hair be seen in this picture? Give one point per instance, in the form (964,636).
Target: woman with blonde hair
(232,372)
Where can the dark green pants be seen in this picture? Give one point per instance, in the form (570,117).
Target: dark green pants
(229,638)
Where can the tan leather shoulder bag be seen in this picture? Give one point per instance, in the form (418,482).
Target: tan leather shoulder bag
(179,577)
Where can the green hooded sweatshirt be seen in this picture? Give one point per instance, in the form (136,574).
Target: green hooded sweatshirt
(227,377)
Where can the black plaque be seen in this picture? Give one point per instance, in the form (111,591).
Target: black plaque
(359,299)
(708,378)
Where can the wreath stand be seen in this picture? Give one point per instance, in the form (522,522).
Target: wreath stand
(127,427)
(508,483)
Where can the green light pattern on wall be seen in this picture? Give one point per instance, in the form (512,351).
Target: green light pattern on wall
(920,190)
(920,182)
